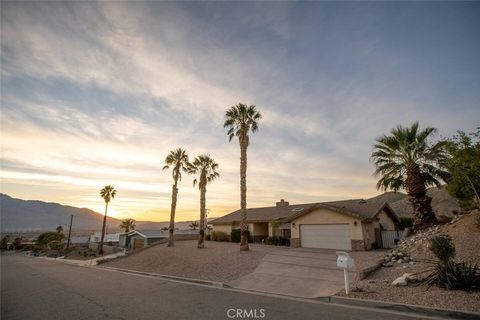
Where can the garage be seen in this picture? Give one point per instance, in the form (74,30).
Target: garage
(325,236)
(138,243)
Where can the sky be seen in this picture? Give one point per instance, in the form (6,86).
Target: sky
(97,93)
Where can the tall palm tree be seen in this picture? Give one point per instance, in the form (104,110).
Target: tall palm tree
(406,159)
(127,224)
(107,193)
(205,167)
(240,120)
(178,160)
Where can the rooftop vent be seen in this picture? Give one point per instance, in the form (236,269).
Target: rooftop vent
(362,201)
(283,203)
(297,209)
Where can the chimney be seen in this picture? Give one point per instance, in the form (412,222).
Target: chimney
(283,203)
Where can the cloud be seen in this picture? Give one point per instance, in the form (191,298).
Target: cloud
(96,93)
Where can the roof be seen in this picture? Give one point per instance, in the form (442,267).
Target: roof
(264,214)
(358,208)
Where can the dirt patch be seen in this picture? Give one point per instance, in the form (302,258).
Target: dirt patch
(377,286)
(218,261)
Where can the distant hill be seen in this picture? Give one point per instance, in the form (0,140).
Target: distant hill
(33,215)
(443,204)
(18,215)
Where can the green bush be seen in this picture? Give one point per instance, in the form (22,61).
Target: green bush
(405,222)
(4,242)
(219,236)
(235,235)
(45,238)
(277,241)
(456,276)
(56,245)
(443,247)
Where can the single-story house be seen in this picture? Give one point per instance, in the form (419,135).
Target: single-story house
(136,239)
(110,238)
(344,225)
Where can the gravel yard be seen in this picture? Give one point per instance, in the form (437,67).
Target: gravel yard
(218,261)
(377,286)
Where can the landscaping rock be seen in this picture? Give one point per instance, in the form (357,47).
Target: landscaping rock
(400,282)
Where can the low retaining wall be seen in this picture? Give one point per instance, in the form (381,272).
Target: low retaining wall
(106,249)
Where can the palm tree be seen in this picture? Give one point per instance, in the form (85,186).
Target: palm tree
(240,120)
(127,224)
(107,193)
(178,160)
(193,225)
(205,167)
(406,160)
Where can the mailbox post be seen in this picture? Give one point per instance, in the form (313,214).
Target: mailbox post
(345,262)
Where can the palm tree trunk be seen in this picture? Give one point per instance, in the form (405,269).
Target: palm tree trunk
(243,195)
(201,236)
(100,246)
(423,215)
(172,214)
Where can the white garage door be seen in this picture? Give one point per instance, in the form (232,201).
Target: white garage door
(326,236)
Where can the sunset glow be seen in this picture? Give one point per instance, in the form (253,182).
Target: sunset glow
(98,93)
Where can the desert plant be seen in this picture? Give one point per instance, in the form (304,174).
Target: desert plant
(240,120)
(206,169)
(178,160)
(455,276)
(406,159)
(443,248)
(107,193)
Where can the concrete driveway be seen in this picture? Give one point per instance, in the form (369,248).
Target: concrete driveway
(300,272)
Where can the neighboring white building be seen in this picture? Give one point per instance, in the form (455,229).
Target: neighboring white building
(109,237)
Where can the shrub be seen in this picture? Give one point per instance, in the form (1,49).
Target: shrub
(277,241)
(235,235)
(17,243)
(456,276)
(4,242)
(56,245)
(443,247)
(219,236)
(45,238)
(405,222)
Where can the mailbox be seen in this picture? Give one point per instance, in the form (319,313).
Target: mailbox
(344,260)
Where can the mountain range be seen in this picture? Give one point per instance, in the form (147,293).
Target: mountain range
(17,215)
(31,215)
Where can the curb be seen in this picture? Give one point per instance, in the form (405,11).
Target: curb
(399,307)
(169,277)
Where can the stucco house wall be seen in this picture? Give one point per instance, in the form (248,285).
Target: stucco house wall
(327,216)
(225,228)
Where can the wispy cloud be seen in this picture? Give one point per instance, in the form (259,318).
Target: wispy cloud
(98,93)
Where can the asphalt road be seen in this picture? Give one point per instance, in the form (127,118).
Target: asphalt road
(33,288)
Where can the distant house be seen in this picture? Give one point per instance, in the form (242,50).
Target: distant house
(136,239)
(345,225)
(109,238)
